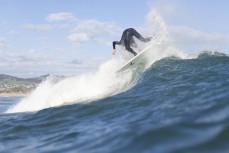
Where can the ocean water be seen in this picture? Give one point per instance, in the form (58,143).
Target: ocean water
(174,105)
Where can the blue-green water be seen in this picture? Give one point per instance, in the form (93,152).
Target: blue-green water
(176,106)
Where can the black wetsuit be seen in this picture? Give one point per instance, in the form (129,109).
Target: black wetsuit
(127,40)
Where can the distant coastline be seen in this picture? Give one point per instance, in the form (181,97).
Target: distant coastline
(13,94)
(14,86)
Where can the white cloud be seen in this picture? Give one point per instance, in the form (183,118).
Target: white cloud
(34,63)
(97,27)
(76,62)
(80,37)
(186,37)
(39,27)
(103,41)
(81,30)
(85,65)
(3,43)
(50,26)
(181,36)
(34,56)
(199,36)
(60,16)
(24,59)
(92,30)
(46,27)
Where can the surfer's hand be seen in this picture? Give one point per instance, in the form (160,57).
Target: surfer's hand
(114,51)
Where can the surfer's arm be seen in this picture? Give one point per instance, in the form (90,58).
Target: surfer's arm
(115,43)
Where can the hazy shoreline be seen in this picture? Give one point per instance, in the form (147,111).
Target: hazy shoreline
(11,86)
(13,94)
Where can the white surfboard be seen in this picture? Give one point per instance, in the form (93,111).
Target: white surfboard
(139,59)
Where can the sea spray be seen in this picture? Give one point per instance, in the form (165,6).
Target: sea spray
(83,88)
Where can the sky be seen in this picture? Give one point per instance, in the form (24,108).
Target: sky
(70,37)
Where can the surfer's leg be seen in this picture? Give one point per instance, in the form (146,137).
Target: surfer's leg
(139,36)
(127,41)
(130,49)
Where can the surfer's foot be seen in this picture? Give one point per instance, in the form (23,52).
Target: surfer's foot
(135,54)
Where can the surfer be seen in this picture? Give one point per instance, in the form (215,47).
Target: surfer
(127,40)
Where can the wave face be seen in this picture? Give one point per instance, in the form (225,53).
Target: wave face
(176,105)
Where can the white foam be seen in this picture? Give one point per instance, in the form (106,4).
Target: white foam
(84,88)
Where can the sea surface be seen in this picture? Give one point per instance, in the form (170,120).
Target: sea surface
(176,105)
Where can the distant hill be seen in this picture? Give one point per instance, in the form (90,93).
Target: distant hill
(15,85)
(6,78)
